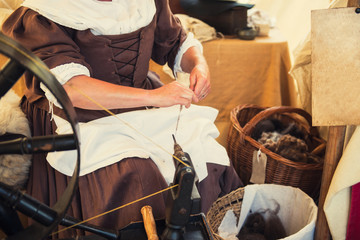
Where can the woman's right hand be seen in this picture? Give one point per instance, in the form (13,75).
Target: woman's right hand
(116,96)
(171,94)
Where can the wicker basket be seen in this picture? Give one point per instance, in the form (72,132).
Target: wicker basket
(216,213)
(298,223)
(279,170)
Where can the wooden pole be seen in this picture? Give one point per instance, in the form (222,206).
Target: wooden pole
(334,149)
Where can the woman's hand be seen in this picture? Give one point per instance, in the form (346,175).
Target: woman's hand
(171,94)
(194,62)
(200,81)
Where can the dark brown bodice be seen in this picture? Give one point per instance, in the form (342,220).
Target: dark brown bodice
(119,59)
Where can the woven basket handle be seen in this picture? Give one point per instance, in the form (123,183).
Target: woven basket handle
(249,126)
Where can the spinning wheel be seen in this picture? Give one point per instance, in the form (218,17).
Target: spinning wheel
(20,61)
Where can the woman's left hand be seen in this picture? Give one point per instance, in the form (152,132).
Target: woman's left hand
(193,62)
(200,81)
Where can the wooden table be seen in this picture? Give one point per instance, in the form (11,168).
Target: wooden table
(245,72)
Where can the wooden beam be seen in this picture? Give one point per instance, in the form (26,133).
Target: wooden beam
(334,150)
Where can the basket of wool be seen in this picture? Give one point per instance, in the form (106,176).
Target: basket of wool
(263,211)
(276,145)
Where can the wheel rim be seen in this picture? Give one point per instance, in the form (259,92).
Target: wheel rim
(22,60)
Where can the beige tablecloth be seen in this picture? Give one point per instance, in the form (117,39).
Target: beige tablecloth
(245,72)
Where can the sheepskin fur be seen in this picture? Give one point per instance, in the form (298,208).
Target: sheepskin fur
(14,168)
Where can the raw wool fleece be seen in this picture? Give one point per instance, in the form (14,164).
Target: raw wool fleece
(14,168)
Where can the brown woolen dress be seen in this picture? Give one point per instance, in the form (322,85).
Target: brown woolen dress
(119,59)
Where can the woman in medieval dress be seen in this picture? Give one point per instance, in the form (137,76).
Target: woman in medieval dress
(104,48)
